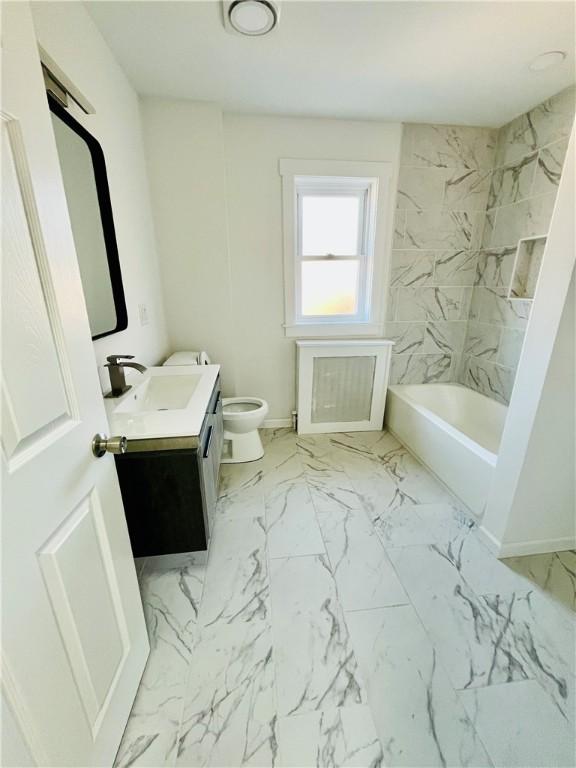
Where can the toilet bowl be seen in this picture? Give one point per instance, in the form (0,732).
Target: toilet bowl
(242,417)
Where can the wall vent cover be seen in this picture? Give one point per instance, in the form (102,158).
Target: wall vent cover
(342,385)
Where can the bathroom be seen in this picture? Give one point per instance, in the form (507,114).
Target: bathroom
(314,538)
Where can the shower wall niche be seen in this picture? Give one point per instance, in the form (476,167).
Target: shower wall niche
(526,269)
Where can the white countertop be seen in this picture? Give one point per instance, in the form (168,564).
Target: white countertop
(182,418)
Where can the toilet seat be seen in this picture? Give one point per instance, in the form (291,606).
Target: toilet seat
(239,407)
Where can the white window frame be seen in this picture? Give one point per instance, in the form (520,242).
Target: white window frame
(372,181)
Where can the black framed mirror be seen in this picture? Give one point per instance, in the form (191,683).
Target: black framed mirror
(88,196)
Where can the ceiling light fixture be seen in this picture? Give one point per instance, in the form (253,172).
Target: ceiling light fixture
(547,60)
(250,17)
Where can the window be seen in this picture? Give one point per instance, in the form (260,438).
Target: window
(332,267)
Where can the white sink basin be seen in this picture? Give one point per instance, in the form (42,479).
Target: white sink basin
(168,401)
(161,393)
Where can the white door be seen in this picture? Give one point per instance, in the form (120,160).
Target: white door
(74,638)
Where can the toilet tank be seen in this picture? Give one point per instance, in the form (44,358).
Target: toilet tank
(182,358)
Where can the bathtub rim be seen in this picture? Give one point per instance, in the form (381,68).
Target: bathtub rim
(489,456)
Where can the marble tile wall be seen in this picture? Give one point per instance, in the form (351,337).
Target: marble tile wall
(466,195)
(442,195)
(528,162)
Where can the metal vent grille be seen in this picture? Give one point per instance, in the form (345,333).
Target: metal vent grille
(342,389)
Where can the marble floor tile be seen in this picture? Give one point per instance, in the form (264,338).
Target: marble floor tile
(282,470)
(323,661)
(554,573)
(355,441)
(291,525)
(401,483)
(321,463)
(314,447)
(355,453)
(418,717)
(275,436)
(171,601)
(422,525)
(364,576)
(236,477)
(459,548)
(229,715)
(401,467)
(330,486)
(519,726)
(146,745)
(474,642)
(344,737)
(236,587)
(360,462)
(492,638)
(315,666)
(241,502)
(151,732)
(279,444)
(545,639)
(334,490)
(392,478)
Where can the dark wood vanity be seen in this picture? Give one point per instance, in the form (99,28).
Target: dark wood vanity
(170,486)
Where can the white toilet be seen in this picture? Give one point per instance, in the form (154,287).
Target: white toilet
(242,418)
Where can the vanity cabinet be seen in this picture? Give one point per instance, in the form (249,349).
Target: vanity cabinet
(170,487)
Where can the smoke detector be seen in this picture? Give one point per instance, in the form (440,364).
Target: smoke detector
(250,17)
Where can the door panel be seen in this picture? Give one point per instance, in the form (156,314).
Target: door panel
(82,603)
(30,354)
(74,640)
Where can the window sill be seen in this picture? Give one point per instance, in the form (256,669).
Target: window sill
(330,330)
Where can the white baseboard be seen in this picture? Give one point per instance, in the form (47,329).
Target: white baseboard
(521,548)
(490,541)
(276,423)
(538,547)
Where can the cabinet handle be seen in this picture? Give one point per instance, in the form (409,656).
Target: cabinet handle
(207,448)
(217,402)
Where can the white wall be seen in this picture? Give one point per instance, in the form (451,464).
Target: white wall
(543,513)
(531,507)
(253,146)
(68,35)
(185,153)
(218,217)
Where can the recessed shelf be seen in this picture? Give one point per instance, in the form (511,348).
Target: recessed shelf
(526,267)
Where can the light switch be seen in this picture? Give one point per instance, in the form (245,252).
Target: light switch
(143,311)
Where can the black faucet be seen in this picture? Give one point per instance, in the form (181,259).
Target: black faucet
(116,371)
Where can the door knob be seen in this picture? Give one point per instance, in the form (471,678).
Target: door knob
(102,444)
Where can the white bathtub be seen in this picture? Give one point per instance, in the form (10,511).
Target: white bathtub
(453,430)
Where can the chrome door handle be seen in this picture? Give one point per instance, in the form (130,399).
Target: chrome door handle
(102,444)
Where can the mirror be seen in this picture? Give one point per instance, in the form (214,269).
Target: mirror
(88,197)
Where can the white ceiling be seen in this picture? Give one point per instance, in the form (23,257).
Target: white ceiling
(448,62)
